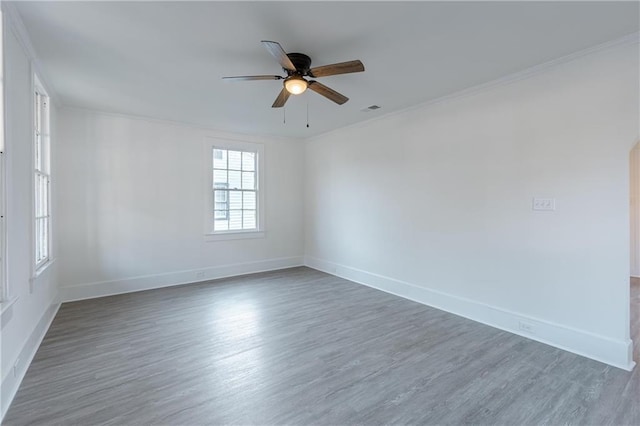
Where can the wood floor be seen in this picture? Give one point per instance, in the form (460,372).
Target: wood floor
(301,347)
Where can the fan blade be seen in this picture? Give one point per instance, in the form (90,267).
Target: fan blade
(278,52)
(327,92)
(281,99)
(253,77)
(335,69)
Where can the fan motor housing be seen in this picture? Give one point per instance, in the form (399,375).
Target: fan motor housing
(302,63)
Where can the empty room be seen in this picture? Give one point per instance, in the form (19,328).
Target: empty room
(328,213)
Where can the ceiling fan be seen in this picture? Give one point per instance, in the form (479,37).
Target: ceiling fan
(297,66)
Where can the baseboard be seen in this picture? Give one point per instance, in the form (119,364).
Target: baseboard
(149,282)
(11,381)
(618,353)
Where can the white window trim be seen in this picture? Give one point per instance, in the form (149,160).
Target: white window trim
(233,235)
(209,234)
(41,267)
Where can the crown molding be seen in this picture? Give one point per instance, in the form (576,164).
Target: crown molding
(630,39)
(13,21)
(210,131)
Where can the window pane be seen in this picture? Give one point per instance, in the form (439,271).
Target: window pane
(235,219)
(38,257)
(219,158)
(38,151)
(221,214)
(248,180)
(248,161)
(249,219)
(235,179)
(221,225)
(40,239)
(235,200)
(220,201)
(38,111)
(220,196)
(45,198)
(45,238)
(235,160)
(249,200)
(220,179)
(37,195)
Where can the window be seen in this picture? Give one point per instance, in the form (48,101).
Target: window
(42,179)
(235,190)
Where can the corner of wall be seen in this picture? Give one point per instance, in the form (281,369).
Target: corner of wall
(600,348)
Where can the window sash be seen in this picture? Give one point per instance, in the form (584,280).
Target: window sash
(42,218)
(42,183)
(226,218)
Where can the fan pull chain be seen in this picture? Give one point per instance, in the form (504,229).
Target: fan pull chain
(284,116)
(307,114)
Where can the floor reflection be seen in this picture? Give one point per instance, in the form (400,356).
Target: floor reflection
(236,320)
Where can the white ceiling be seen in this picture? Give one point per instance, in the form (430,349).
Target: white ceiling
(166,59)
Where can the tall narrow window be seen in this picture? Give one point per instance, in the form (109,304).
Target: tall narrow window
(42,178)
(235,190)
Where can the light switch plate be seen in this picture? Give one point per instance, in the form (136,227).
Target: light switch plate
(544,204)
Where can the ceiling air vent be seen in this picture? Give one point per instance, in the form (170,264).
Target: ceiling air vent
(370,108)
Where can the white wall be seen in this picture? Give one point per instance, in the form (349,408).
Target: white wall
(34,303)
(634,165)
(435,203)
(131,206)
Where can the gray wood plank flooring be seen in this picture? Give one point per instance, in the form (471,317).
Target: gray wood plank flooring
(302,347)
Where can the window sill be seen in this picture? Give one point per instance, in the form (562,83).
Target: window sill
(41,269)
(226,236)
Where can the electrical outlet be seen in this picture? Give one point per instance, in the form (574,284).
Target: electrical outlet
(200,274)
(526,327)
(544,204)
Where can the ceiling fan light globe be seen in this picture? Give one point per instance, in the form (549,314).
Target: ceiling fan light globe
(296,85)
